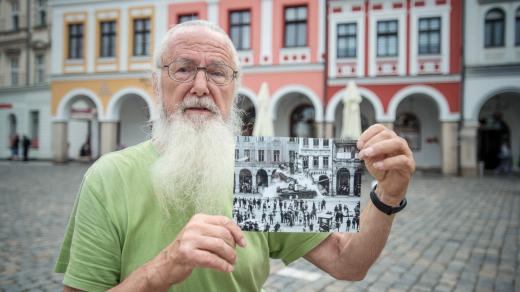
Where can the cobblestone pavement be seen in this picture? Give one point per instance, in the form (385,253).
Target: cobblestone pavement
(455,235)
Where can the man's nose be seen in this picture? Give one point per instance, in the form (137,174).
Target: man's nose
(200,84)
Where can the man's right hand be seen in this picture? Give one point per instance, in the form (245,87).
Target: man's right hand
(205,242)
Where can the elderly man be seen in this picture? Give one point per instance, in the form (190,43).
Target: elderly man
(156,216)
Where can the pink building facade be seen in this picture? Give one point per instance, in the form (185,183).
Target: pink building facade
(404,55)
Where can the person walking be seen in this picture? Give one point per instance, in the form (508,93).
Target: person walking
(26,144)
(15,143)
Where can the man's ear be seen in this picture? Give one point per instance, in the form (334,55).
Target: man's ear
(155,84)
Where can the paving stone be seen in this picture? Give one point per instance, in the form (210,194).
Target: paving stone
(457,234)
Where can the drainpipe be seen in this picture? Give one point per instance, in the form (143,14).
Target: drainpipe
(462,82)
(326,66)
(28,44)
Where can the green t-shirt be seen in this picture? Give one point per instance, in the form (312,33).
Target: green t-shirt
(116,226)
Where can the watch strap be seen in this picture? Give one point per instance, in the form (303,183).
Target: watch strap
(389,210)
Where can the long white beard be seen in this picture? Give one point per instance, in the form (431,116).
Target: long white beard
(194,172)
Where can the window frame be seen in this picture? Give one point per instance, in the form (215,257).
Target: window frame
(78,37)
(41,13)
(111,36)
(145,47)
(386,36)
(242,26)
(15,15)
(517,27)
(39,76)
(429,32)
(191,16)
(14,70)
(493,23)
(346,36)
(296,23)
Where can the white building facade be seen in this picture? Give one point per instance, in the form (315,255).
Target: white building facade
(491,86)
(24,83)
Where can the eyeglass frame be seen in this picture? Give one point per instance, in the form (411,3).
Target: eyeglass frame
(205,69)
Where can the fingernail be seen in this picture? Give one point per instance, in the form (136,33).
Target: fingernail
(378,165)
(369,151)
(359,144)
(230,268)
(243,242)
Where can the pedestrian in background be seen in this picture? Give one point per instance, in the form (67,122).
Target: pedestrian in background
(15,143)
(26,143)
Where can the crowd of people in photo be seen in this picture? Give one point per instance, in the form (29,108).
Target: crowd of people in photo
(294,215)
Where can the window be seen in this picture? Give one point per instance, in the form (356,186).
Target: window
(325,142)
(107,46)
(35,127)
(237,154)
(494,29)
(387,38)
(40,68)
(517,28)
(15,17)
(429,36)
(14,71)
(295,27)
(240,29)
(187,17)
(292,155)
(41,13)
(141,37)
(346,43)
(316,161)
(305,142)
(305,162)
(316,142)
(247,155)
(407,126)
(325,161)
(75,41)
(260,155)
(276,155)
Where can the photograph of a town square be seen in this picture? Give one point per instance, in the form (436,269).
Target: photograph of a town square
(297,184)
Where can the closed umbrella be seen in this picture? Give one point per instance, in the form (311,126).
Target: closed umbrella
(264,122)
(351,128)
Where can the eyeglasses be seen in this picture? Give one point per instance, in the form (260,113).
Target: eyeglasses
(185,71)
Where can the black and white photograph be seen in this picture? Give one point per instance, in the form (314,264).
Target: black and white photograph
(297,184)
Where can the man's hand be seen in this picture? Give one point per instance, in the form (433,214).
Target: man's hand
(348,256)
(389,160)
(205,242)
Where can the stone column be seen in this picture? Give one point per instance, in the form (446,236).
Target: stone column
(329,129)
(449,148)
(318,129)
(389,125)
(60,144)
(468,149)
(108,137)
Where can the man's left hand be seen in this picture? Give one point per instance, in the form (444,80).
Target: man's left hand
(389,160)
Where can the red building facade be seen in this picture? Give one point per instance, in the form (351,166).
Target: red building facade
(404,55)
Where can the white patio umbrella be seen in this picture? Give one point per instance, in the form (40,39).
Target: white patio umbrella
(263,122)
(351,128)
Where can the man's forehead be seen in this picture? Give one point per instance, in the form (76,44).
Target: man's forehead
(190,42)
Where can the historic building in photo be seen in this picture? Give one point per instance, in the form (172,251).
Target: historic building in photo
(25,95)
(491,84)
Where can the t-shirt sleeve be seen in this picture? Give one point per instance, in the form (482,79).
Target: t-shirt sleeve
(291,246)
(94,257)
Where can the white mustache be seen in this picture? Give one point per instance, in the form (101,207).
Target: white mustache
(204,102)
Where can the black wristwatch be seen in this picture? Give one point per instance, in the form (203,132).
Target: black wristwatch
(389,210)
